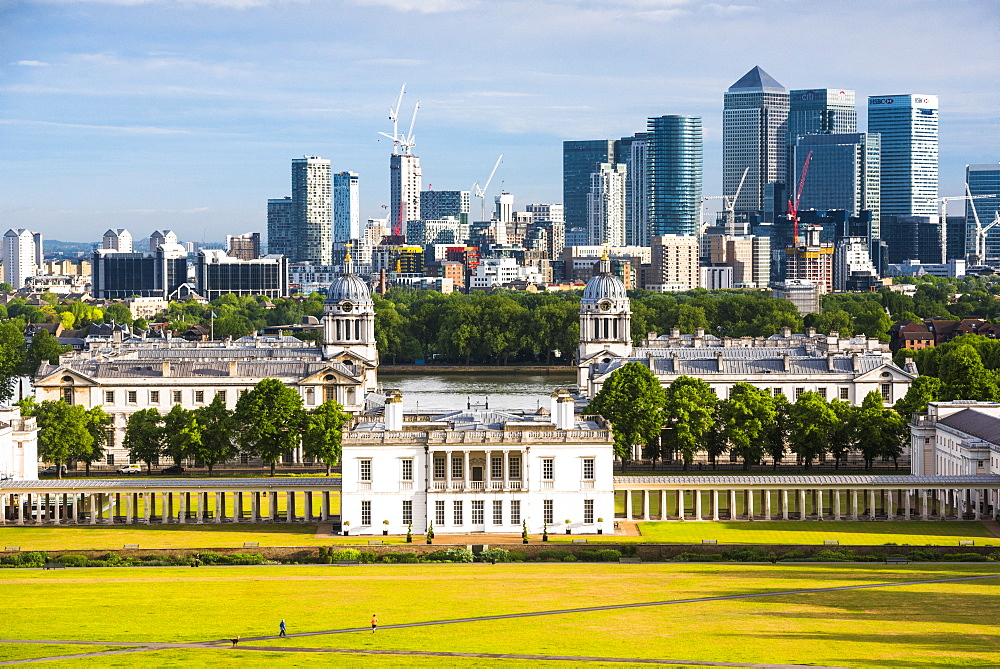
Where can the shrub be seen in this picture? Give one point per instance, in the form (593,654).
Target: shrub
(570,558)
(995,556)
(344,554)
(496,554)
(922,555)
(791,555)
(368,557)
(842,555)
(749,554)
(697,557)
(401,558)
(73,560)
(554,555)
(963,557)
(449,555)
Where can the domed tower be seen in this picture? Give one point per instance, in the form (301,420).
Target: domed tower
(349,319)
(605,315)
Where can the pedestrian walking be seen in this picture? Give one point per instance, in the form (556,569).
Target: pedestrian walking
(281,627)
(374,622)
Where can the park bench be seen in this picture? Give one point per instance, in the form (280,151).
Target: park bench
(54,565)
(966,543)
(897,559)
(12,548)
(348,563)
(579,541)
(249,544)
(629,560)
(709,541)
(374,543)
(130,546)
(831,542)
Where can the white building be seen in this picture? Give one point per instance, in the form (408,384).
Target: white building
(851,262)
(118,240)
(908,125)
(19,257)
(346,206)
(478,471)
(405,180)
(158,238)
(675,263)
(492,272)
(606,205)
(18,446)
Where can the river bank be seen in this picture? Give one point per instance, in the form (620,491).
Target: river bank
(407,370)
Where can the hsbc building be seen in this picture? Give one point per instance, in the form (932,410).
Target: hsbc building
(908,125)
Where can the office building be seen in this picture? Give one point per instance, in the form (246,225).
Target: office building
(580,160)
(346,207)
(19,257)
(312,210)
(983,180)
(117,240)
(844,174)
(674,263)
(853,269)
(913,238)
(120,275)
(674,162)
(405,181)
(217,273)
(281,227)
(546,212)
(908,125)
(632,152)
(823,111)
(244,247)
(606,205)
(427,232)
(438,204)
(754,136)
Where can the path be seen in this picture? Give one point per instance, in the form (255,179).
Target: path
(992,526)
(324,531)
(224,643)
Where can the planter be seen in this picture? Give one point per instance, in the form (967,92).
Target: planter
(524,541)
(385,533)
(345,533)
(545,538)
(409,540)
(569,531)
(430,541)
(600,531)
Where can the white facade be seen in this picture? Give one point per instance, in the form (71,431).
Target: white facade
(494,272)
(851,257)
(637,195)
(546,212)
(504,208)
(18,257)
(606,205)
(346,207)
(675,260)
(478,471)
(158,238)
(18,446)
(118,240)
(405,181)
(908,125)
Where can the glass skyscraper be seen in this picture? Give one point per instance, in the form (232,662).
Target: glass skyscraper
(437,204)
(983,180)
(312,210)
(346,207)
(818,111)
(908,125)
(632,153)
(581,159)
(674,163)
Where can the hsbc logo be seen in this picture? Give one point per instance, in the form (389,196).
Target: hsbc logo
(921,101)
(881,101)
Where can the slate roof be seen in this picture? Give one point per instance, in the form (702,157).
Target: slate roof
(141,484)
(845,480)
(976,423)
(757,78)
(186,369)
(751,362)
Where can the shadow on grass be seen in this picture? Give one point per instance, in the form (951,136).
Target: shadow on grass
(235,528)
(913,528)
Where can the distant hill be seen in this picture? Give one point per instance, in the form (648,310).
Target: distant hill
(54,247)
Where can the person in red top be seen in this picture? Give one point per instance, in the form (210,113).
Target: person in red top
(374,622)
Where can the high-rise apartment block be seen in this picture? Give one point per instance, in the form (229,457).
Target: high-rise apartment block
(811,261)
(19,257)
(853,269)
(439,204)
(983,180)
(823,111)
(754,136)
(312,209)
(606,205)
(405,181)
(346,207)
(281,227)
(632,152)
(244,247)
(580,160)
(674,163)
(504,208)
(117,240)
(160,237)
(674,263)
(748,256)
(908,125)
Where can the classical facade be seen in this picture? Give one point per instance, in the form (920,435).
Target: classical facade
(957,438)
(123,375)
(478,471)
(18,446)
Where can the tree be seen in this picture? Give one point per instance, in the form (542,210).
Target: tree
(44,348)
(12,352)
(144,437)
(843,436)
(6,287)
(98,423)
(62,433)
(877,429)
(217,429)
(689,410)
(964,377)
(181,433)
(322,433)
(811,423)
(268,420)
(923,390)
(632,399)
(777,432)
(119,313)
(747,416)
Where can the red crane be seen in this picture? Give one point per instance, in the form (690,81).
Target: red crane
(793,208)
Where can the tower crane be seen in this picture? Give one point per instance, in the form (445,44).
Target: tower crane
(481,192)
(401,143)
(943,218)
(793,208)
(980,232)
(728,206)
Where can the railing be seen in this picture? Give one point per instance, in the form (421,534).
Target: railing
(406,485)
(496,485)
(547,485)
(364,485)
(514,485)
(477,485)
(588,485)
(458,485)
(439,485)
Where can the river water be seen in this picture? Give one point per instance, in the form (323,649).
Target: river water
(430,393)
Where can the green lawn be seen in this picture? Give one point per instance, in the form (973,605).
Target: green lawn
(22,651)
(914,625)
(860,533)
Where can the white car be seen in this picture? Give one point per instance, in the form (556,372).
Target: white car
(130,469)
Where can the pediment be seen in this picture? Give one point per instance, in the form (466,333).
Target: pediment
(55,378)
(896,373)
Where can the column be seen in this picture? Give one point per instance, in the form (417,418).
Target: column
(748,495)
(628,505)
(645,504)
(58,510)
(289,506)
(732,504)
(680,504)
(923,504)
(697,505)
(975,502)
(802,505)
(960,506)
(715,504)
(890,509)
(854,504)
(182,505)
(663,503)
(447,469)
(325,512)
(128,509)
(871,504)
(3,509)
(20,510)
(506,470)
(254,506)
(220,507)
(308,510)
(466,471)
(836,504)
(767,504)
(784,504)
(819,504)
(93,510)
(907,496)
(146,511)
(488,473)
(272,506)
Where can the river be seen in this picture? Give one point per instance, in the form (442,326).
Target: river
(449,392)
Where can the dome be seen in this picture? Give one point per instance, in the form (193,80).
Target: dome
(349,287)
(604,286)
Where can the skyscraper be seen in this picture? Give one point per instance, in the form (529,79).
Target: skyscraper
(405,180)
(346,207)
(909,128)
(580,160)
(632,151)
(312,210)
(674,161)
(822,111)
(281,228)
(754,130)
(606,205)
(438,204)
(117,240)
(983,180)
(18,257)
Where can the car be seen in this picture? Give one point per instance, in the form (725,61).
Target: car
(130,469)
(52,469)
(176,469)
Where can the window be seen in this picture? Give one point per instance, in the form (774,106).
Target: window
(111,459)
(588,512)
(154,396)
(497,512)
(132,397)
(311,396)
(822,392)
(244,459)
(221,394)
(515,512)
(798,392)
(366,470)
(366,513)
(515,466)
(109,437)
(456,466)
(439,513)
(407,511)
(109,397)
(845,393)
(477,512)
(439,469)
(67,395)
(887,392)
(588,469)
(547,469)
(547,511)
(456,513)
(496,468)
(199,397)
(330,393)
(177,396)
(407,470)
(775,392)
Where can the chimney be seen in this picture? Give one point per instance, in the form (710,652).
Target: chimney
(675,333)
(786,332)
(718,361)
(233,368)
(699,332)
(166,370)
(830,362)
(810,332)
(393,413)
(785,364)
(565,420)
(855,362)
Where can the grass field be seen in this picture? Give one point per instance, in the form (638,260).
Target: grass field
(935,624)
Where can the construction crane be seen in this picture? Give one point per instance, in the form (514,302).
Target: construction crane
(943,214)
(481,192)
(980,231)
(401,144)
(793,208)
(728,206)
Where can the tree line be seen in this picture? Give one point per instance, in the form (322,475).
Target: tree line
(966,368)
(687,417)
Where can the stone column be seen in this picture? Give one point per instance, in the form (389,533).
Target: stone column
(128,509)
(628,505)
(854,504)
(871,504)
(836,504)
(93,508)
(748,495)
(182,503)
(923,504)
(715,504)
(447,469)
(290,506)
(20,510)
(645,504)
(488,472)
(819,504)
(697,505)
(975,502)
(308,505)
(907,497)
(506,471)
(325,511)
(890,507)
(802,505)
(680,504)
(732,504)
(254,506)
(220,507)
(784,504)
(58,510)
(146,511)
(3,509)
(767,504)
(272,506)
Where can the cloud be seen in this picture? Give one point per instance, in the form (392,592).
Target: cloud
(232,4)
(123,129)
(33,63)
(422,6)
(395,62)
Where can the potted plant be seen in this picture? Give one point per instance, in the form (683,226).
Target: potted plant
(409,533)
(599,529)
(385,531)
(568,530)
(524,531)
(430,533)
(545,531)
(347,524)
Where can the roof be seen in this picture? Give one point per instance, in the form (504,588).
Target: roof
(750,362)
(186,369)
(757,78)
(975,423)
(143,484)
(777,481)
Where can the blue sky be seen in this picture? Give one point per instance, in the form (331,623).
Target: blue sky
(186,114)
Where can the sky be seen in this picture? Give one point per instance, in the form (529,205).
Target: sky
(151,114)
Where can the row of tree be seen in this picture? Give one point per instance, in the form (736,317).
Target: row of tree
(687,418)
(68,432)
